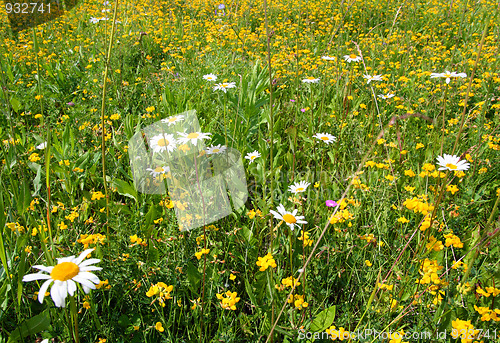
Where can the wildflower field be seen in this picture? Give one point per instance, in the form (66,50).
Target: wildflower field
(367,144)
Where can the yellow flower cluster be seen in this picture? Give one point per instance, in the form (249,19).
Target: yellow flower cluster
(201,253)
(298,301)
(487,314)
(341,216)
(385,286)
(104,284)
(434,244)
(426,223)
(87,240)
(266,262)
(464,330)
(418,204)
(161,291)
(252,213)
(287,282)
(228,301)
(305,237)
(134,239)
(34,157)
(15,227)
(451,239)
(489,291)
(459,264)
(429,271)
(369,238)
(72,216)
(97,195)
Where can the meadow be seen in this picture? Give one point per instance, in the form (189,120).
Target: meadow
(370,143)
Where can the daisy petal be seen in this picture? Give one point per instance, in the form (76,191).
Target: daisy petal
(37,276)
(43,289)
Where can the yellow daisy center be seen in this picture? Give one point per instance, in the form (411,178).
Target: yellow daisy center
(65,271)
(216,150)
(325,138)
(300,189)
(352,56)
(451,166)
(173,119)
(163,142)
(311,78)
(289,219)
(253,157)
(158,169)
(193,135)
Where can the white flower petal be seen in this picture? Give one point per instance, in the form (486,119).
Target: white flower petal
(71,287)
(45,269)
(84,282)
(43,289)
(89,276)
(82,256)
(36,276)
(89,262)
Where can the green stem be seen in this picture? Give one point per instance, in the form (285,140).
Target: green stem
(74,319)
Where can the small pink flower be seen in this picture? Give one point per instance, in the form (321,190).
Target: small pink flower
(292,100)
(331,203)
(303,109)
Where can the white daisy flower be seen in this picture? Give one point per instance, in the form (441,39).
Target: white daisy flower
(386,96)
(252,156)
(299,187)
(41,146)
(224,86)
(193,137)
(64,275)
(310,79)
(94,20)
(210,77)
(447,75)
(216,149)
(290,218)
(163,142)
(173,119)
(452,162)
(158,171)
(325,137)
(370,78)
(352,58)
(328,58)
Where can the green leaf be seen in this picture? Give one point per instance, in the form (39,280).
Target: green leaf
(125,188)
(249,290)
(193,275)
(323,320)
(31,326)
(16,105)
(37,182)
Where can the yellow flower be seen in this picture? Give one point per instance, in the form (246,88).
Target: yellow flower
(34,157)
(368,263)
(419,145)
(159,327)
(403,220)
(266,262)
(232,277)
(97,196)
(201,252)
(452,188)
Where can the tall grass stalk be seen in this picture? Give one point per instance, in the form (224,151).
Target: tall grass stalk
(271,128)
(103,103)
